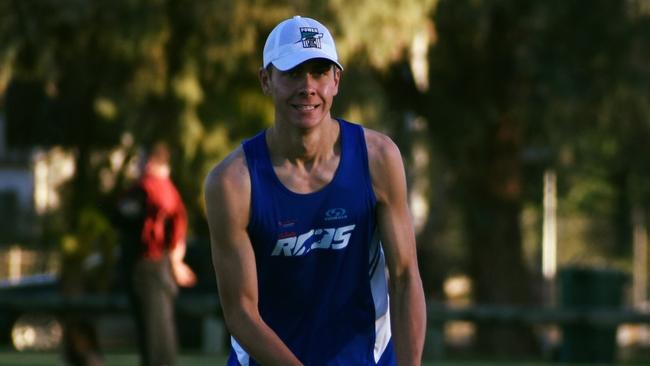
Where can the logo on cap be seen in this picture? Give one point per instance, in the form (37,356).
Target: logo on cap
(310,37)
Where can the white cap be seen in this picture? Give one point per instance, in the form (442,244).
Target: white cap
(297,40)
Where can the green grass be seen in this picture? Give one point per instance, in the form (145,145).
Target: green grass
(12,358)
(9,358)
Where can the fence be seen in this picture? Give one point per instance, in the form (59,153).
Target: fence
(206,306)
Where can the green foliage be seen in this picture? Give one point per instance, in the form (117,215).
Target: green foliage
(380,32)
(571,81)
(89,253)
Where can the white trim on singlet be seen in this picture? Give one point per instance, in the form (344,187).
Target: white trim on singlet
(382,335)
(242,356)
(379,289)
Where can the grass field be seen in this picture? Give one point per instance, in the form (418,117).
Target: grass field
(53,359)
(10,358)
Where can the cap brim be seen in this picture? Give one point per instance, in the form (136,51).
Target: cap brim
(291,61)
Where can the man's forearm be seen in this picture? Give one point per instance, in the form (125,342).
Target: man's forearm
(408,318)
(260,341)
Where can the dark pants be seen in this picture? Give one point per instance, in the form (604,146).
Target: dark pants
(152,295)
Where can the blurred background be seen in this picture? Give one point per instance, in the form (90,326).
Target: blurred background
(524,126)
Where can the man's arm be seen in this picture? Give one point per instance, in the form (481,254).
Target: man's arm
(227,201)
(407,305)
(183,274)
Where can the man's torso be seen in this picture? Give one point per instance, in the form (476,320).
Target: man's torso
(320,268)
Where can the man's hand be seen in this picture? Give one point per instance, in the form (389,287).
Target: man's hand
(183,274)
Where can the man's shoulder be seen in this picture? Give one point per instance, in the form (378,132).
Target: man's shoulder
(231,171)
(227,192)
(380,146)
(384,161)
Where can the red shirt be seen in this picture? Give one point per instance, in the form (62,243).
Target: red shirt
(165,222)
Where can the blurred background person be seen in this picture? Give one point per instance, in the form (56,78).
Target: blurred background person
(153,224)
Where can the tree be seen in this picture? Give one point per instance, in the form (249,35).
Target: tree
(508,77)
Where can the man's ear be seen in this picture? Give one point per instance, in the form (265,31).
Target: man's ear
(337,78)
(265,80)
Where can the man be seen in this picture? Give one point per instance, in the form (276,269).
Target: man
(153,227)
(295,216)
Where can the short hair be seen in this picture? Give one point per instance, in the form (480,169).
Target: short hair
(158,151)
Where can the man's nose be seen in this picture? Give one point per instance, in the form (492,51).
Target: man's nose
(307,84)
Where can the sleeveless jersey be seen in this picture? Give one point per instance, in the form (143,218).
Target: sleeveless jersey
(320,267)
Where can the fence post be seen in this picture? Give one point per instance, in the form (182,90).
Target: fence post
(15,258)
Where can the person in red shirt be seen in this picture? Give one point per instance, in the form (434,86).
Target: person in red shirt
(153,227)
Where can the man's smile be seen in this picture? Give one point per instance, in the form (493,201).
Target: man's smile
(305,107)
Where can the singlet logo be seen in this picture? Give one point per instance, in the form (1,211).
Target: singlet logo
(329,238)
(335,214)
(310,37)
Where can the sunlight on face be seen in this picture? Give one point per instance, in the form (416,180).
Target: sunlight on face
(303,95)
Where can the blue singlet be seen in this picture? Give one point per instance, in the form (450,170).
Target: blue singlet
(320,267)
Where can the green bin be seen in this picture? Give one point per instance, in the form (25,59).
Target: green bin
(584,288)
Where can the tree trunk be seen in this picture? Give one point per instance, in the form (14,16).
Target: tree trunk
(491,208)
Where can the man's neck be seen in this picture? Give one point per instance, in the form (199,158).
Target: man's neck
(299,145)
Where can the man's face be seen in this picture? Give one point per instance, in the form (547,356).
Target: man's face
(303,95)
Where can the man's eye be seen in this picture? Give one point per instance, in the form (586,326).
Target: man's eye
(319,73)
